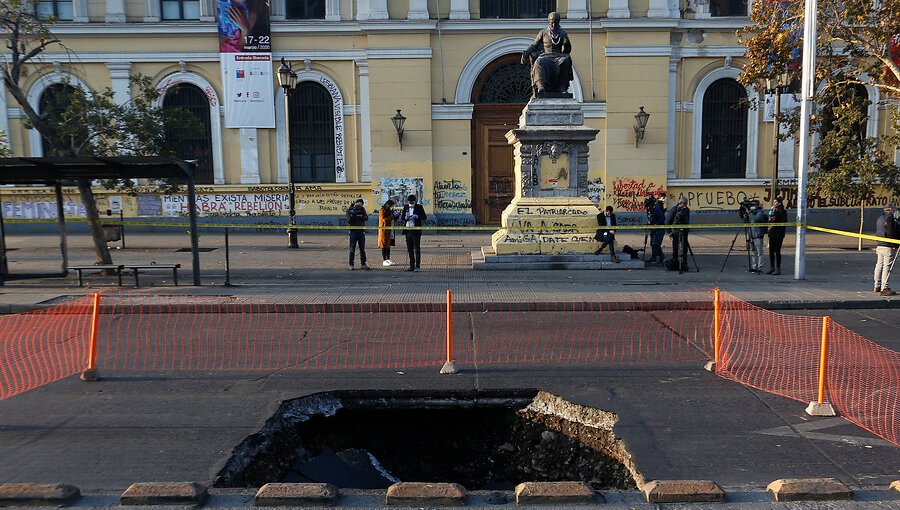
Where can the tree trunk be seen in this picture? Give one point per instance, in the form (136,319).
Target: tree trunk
(93,219)
(862,214)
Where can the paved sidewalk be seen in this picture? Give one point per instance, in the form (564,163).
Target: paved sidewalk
(264,270)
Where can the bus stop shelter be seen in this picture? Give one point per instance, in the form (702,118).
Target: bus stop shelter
(55,171)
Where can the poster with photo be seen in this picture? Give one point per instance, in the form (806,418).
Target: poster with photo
(398,188)
(246,60)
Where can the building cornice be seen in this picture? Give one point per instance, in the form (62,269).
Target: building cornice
(213,56)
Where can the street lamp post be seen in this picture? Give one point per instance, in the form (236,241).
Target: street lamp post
(287,79)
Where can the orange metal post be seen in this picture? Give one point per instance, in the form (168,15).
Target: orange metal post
(95,325)
(449,325)
(823,360)
(717,305)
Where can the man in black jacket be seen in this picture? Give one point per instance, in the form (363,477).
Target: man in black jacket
(357,217)
(413,215)
(679,215)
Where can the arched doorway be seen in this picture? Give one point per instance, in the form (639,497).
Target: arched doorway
(311,118)
(500,92)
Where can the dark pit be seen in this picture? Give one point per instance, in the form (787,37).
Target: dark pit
(482,440)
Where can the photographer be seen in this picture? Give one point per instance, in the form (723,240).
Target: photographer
(679,215)
(757,233)
(656,216)
(357,217)
(776,235)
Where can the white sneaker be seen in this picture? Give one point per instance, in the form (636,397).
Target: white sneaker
(386,263)
(390,262)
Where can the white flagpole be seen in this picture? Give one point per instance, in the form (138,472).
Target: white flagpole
(808,88)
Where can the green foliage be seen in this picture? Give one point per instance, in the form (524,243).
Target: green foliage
(853,49)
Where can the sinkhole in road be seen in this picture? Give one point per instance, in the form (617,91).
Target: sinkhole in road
(484,440)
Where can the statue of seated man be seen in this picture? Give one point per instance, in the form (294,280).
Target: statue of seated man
(551,65)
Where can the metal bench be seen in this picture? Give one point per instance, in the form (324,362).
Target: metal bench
(108,267)
(137,267)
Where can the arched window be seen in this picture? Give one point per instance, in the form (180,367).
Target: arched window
(508,83)
(190,144)
(311,121)
(54,101)
(724,136)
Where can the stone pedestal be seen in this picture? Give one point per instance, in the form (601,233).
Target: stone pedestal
(550,212)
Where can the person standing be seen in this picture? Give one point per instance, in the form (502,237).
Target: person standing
(607,237)
(413,215)
(657,216)
(386,218)
(679,215)
(757,235)
(886,226)
(776,235)
(357,217)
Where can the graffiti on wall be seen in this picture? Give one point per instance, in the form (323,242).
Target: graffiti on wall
(38,208)
(227,204)
(595,190)
(452,196)
(398,188)
(628,194)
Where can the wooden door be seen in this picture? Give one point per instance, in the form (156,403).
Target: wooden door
(494,168)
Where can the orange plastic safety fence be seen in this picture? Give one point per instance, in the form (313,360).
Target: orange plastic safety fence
(863,382)
(41,347)
(152,332)
(780,354)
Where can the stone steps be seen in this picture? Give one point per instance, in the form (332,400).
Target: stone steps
(486,260)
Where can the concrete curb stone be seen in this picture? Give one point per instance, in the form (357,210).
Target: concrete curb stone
(809,489)
(683,491)
(549,493)
(35,494)
(426,494)
(164,493)
(296,494)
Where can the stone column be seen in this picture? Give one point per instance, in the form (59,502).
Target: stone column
(120,72)
(332,10)
(80,12)
(365,121)
(658,9)
(618,9)
(671,118)
(371,10)
(459,9)
(115,11)
(418,9)
(577,9)
(249,156)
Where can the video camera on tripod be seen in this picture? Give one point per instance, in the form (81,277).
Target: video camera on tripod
(744,210)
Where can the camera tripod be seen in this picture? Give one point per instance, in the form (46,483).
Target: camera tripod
(682,258)
(746,244)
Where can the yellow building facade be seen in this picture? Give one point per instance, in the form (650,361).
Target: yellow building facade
(451,68)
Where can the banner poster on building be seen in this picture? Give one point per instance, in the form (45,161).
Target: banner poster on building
(245,55)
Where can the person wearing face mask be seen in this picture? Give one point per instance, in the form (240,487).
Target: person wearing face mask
(776,235)
(413,215)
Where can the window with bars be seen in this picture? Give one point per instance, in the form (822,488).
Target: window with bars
(192,144)
(180,9)
(724,138)
(516,9)
(61,10)
(304,9)
(720,8)
(311,118)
